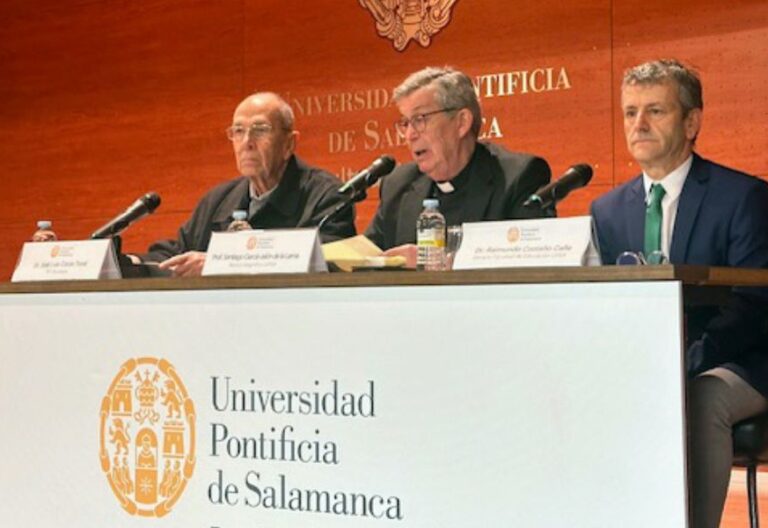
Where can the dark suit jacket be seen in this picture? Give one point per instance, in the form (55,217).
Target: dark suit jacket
(301,199)
(722,220)
(499,183)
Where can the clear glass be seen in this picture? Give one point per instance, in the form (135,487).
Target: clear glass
(656,257)
(453,238)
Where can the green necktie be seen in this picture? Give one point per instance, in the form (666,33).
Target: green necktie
(653,219)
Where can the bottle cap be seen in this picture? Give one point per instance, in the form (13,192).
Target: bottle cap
(44,224)
(431,202)
(239,214)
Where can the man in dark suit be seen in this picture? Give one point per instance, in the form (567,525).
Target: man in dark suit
(696,212)
(473,181)
(276,188)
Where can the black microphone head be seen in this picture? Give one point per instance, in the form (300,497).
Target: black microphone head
(381,167)
(144,205)
(385,164)
(584,171)
(574,178)
(151,201)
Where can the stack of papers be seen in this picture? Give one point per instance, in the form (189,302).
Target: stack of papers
(359,252)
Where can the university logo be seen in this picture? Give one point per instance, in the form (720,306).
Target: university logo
(147,436)
(403,20)
(513,235)
(251,243)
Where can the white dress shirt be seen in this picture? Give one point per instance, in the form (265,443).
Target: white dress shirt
(673,186)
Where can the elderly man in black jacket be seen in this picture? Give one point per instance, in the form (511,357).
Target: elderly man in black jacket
(276,188)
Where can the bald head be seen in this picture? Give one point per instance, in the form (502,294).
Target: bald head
(271,104)
(266,139)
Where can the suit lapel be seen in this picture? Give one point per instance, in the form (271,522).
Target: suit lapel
(636,214)
(411,207)
(694,189)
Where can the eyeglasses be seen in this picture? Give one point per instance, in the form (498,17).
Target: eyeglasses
(238,133)
(419,121)
(632,258)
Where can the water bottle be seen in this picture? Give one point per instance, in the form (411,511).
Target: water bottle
(239,222)
(44,232)
(430,238)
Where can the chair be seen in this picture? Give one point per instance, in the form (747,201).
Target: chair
(750,449)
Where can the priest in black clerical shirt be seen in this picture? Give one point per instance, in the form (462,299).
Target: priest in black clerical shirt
(473,181)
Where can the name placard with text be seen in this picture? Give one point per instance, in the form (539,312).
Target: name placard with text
(67,260)
(527,243)
(264,251)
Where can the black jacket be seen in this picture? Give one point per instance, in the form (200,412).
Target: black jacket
(301,199)
(498,182)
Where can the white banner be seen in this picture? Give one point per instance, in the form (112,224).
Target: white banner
(413,407)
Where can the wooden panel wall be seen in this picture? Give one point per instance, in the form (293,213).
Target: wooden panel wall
(104,100)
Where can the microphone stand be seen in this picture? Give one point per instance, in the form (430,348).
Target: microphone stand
(117,243)
(128,269)
(548,207)
(344,206)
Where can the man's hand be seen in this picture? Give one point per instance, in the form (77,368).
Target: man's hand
(189,264)
(409,251)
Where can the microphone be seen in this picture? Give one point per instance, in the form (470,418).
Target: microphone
(367,177)
(574,178)
(140,208)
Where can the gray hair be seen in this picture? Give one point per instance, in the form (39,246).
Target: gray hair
(663,70)
(453,89)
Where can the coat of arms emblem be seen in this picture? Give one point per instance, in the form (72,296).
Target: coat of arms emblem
(147,436)
(403,20)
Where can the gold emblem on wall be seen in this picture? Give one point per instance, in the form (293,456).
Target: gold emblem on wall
(403,20)
(147,469)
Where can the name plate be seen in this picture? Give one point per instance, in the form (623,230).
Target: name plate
(264,251)
(527,243)
(67,260)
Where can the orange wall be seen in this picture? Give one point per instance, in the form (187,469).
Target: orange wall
(102,101)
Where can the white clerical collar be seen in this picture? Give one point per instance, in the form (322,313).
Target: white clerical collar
(672,182)
(445,187)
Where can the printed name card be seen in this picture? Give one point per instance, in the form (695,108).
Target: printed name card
(67,260)
(264,251)
(527,243)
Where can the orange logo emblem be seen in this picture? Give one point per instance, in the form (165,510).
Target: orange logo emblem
(147,469)
(513,235)
(403,20)
(251,243)
(55,251)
